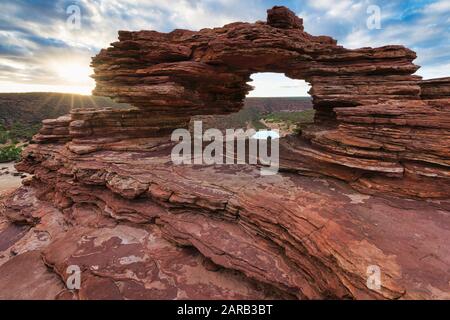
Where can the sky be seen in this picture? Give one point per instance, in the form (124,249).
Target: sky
(45,47)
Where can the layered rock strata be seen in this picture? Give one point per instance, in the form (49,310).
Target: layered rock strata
(139,227)
(374,122)
(106,197)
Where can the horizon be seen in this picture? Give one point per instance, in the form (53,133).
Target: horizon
(91,95)
(40,52)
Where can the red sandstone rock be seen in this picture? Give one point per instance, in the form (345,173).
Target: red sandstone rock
(298,237)
(281,17)
(369,112)
(435,88)
(106,197)
(26,277)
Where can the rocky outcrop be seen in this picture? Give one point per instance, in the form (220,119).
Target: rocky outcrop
(139,227)
(373,120)
(438,88)
(106,197)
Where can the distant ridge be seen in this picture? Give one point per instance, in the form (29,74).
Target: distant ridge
(31,108)
(277,104)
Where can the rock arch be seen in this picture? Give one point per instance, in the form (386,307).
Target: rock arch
(372,128)
(206,72)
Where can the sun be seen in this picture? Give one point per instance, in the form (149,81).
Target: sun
(66,75)
(73,72)
(72,76)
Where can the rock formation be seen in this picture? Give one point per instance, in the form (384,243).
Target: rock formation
(373,128)
(106,197)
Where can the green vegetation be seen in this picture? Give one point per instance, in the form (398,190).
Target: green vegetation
(252,116)
(245,117)
(11,137)
(4,136)
(10,153)
(297,117)
(258,125)
(242,118)
(17,132)
(291,122)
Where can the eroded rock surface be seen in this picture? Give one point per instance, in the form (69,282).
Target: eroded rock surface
(377,126)
(121,215)
(106,197)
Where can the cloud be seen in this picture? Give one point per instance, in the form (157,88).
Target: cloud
(344,9)
(439,7)
(435,71)
(269,84)
(38,48)
(35,35)
(425,30)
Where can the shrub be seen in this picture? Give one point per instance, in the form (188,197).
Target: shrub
(20,131)
(10,153)
(296,117)
(4,137)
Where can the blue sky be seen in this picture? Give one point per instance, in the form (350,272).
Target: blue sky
(40,52)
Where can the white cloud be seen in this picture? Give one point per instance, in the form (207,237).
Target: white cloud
(435,71)
(344,9)
(277,85)
(438,7)
(68,65)
(27,61)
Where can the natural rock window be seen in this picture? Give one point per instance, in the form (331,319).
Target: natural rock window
(268,84)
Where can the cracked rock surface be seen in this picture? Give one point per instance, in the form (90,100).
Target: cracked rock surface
(218,232)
